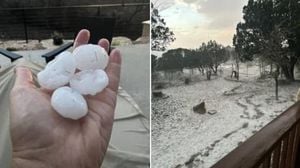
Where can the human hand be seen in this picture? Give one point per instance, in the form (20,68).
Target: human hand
(42,138)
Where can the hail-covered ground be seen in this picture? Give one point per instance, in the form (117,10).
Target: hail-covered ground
(182,138)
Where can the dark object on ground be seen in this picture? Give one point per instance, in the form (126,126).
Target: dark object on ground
(11,49)
(208,75)
(51,55)
(212,112)
(200,108)
(158,85)
(187,81)
(245,125)
(12,56)
(235,75)
(57,38)
(158,94)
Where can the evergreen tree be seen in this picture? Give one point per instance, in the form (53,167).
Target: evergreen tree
(161,35)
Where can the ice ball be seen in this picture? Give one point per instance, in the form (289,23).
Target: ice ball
(58,72)
(90,56)
(69,103)
(89,81)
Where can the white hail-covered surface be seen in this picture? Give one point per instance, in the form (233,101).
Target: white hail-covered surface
(182,138)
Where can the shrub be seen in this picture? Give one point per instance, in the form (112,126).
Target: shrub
(11,49)
(57,38)
(187,81)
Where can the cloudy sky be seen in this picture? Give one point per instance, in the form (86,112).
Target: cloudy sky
(197,21)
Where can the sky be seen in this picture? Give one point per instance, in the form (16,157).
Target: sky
(197,21)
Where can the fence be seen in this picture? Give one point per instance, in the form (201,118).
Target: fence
(41,22)
(275,146)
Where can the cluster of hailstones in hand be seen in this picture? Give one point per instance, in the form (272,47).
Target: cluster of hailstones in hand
(72,75)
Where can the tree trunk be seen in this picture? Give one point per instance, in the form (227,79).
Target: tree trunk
(276,87)
(201,70)
(276,75)
(208,74)
(247,69)
(288,72)
(292,67)
(238,71)
(213,69)
(259,68)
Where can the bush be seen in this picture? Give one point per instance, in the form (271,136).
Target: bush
(57,38)
(187,81)
(11,49)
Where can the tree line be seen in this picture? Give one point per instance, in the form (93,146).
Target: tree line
(207,58)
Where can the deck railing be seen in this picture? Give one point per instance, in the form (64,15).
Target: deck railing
(274,146)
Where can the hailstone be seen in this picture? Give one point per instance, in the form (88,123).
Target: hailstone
(69,103)
(90,56)
(58,72)
(89,81)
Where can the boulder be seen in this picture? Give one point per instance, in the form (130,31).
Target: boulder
(212,112)
(187,81)
(121,41)
(157,94)
(200,108)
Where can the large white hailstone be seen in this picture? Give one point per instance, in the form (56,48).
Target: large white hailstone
(58,72)
(90,56)
(69,103)
(89,81)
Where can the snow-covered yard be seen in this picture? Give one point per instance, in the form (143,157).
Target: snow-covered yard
(182,138)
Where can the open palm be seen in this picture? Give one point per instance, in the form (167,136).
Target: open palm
(42,138)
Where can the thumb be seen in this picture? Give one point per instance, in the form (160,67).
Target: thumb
(23,77)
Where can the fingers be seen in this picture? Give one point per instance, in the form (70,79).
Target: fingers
(113,69)
(82,37)
(104,43)
(114,65)
(23,77)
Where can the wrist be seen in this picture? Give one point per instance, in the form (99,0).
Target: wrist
(51,161)
(18,162)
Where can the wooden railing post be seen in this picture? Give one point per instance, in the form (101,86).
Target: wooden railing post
(297,141)
(25,25)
